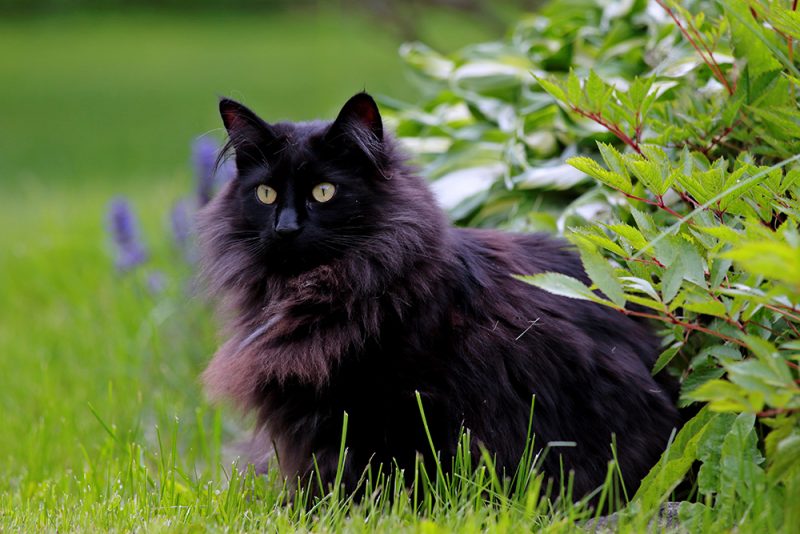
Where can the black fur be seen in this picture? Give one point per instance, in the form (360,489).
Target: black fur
(377,297)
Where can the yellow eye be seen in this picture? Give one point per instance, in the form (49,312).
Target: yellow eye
(265,194)
(323,192)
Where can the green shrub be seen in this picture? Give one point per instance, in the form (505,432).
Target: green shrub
(663,141)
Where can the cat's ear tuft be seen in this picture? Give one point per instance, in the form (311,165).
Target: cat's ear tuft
(359,126)
(361,112)
(241,122)
(248,134)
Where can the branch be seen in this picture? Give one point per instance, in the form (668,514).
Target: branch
(719,137)
(613,128)
(689,326)
(710,61)
(783,311)
(777,411)
(660,204)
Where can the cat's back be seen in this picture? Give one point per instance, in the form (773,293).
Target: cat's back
(491,259)
(516,253)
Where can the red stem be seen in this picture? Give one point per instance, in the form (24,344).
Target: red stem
(647,261)
(689,326)
(689,200)
(783,312)
(710,61)
(660,204)
(613,128)
(777,411)
(719,137)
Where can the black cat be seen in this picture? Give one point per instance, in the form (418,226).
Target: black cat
(347,290)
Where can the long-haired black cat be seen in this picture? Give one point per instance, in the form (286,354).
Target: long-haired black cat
(348,291)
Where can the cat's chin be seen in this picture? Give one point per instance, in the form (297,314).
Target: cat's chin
(296,264)
(294,258)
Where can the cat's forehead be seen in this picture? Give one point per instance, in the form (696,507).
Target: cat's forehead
(299,134)
(298,142)
(294,147)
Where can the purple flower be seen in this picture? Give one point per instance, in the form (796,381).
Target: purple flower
(156,282)
(180,219)
(205,152)
(226,172)
(125,235)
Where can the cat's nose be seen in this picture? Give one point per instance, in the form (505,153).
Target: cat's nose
(287,225)
(287,230)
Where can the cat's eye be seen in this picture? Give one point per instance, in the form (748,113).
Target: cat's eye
(323,192)
(265,194)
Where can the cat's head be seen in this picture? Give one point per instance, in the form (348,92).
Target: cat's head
(308,193)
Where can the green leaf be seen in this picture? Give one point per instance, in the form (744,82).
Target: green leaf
(709,453)
(639,284)
(772,259)
(719,270)
(671,281)
(785,461)
(645,223)
(593,169)
(761,383)
(692,263)
(682,262)
(702,372)
(552,87)
(649,173)
(425,59)
(573,89)
(666,356)
(736,185)
(792,177)
(707,307)
(595,88)
(739,460)
(723,233)
(752,41)
(723,396)
(646,302)
(565,286)
(596,236)
(695,185)
(786,20)
(601,273)
(749,41)
(675,462)
(613,159)
(630,234)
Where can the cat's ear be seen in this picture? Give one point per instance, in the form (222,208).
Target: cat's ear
(249,136)
(359,125)
(359,113)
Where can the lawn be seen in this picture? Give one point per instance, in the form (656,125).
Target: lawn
(105,426)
